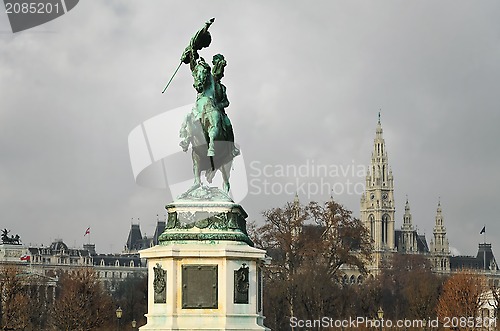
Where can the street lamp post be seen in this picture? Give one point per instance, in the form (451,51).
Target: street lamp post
(380,315)
(119,313)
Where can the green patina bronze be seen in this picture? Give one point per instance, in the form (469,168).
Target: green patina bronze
(205,213)
(207,128)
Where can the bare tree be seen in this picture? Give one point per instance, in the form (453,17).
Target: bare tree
(82,303)
(410,288)
(461,297)
(367,297)
(309,244)
(14,303)
(281,237)
(343,239)
(495,299)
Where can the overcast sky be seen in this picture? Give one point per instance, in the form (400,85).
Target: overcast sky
(306,81)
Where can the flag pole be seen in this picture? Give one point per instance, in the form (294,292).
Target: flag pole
(87,232)
(484,257)
(484,252)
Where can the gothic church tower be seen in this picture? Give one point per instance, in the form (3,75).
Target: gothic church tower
(440,247)
(377,202)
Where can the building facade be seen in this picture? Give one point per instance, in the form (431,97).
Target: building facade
(377,214)
(50,261)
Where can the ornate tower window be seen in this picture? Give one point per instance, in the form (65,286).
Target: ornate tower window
(372,226)
(385,222)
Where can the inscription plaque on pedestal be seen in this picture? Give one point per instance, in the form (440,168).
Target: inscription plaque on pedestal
(199,286)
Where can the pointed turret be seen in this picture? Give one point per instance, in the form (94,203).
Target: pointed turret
(439,227)
(407,223)
(408,240)
(440,247)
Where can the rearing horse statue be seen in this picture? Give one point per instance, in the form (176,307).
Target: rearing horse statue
(203,130)
(207,127)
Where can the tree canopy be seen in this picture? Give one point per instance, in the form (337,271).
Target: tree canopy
(309,244)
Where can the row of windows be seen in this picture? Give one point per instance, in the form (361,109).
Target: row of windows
(131,264)
(48,251)
(61,260)
(80,261)
(354,280)
(115,274)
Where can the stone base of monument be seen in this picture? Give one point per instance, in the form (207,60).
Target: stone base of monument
(205,274)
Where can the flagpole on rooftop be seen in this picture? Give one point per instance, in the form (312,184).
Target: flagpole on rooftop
(484,248)
(87,232)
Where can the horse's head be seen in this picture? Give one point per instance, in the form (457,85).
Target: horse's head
(201,73)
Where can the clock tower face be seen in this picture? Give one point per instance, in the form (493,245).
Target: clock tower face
(372,196)
(384,196)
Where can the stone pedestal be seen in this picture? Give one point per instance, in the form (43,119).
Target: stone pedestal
(205,274)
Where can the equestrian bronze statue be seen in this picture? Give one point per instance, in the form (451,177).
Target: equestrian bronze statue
(207,127)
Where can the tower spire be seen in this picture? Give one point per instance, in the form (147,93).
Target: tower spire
(377,202)
(439,216)
(379,128)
